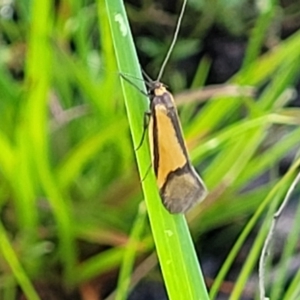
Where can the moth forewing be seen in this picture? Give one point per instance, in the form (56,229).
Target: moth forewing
(179,185)
(183,190)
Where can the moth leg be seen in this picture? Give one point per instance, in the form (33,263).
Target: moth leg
(134,85)
(147,115)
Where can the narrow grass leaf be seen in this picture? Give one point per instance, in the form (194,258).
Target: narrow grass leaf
(174,246)
(130,254)
(10,256)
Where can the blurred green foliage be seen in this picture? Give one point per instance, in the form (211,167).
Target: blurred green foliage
(69,187)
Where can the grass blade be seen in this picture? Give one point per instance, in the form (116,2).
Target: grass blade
(174,246)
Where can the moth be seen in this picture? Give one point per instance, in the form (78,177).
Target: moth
(179,184)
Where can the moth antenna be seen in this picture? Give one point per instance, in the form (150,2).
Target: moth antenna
(173,41)
(147,76)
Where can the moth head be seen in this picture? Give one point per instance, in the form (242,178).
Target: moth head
(156,89)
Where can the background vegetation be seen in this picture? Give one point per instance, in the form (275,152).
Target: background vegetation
(69,188)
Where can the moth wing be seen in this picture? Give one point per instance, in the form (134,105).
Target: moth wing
(179,184)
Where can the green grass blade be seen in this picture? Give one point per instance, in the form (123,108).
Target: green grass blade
(177,257)
(6,156)
(236,248)
(259,32)
(12,260)
(130,253)
(293,290)
(38,76)
(290,247)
